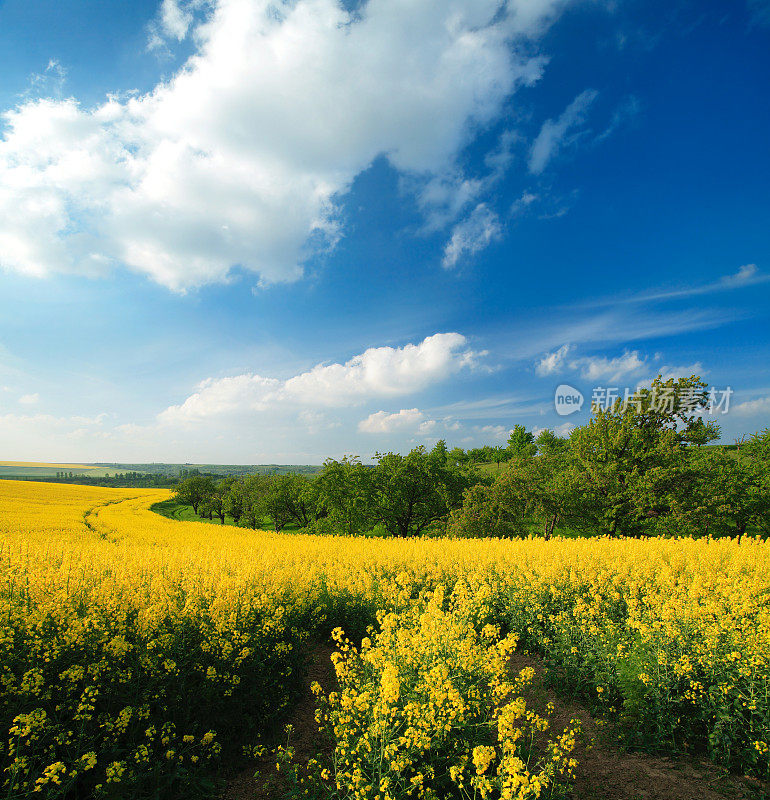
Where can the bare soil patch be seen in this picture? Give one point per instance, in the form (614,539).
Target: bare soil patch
(605,771)
(608,772)
(306,739)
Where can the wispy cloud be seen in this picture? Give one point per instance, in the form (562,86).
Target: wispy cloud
(471,235)
(747,275)
(625,111)
(759,10)
(556,134)
(489,408)
(601,368)
(546,330)
(553,363)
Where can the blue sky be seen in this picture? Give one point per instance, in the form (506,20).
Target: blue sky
(243,232)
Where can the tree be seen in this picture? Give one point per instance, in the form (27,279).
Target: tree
(736,491)
(499,454)
(235,501)
(529,491)
(294,498)
(194,490)
(498,510)
(630,459)
(217,500)
(344,494)
(549,444)
(521,442)
(275,502)
(457,457)
(410,493)
(440,452)
(255,490)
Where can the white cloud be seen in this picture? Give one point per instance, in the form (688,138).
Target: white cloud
(444,197)
(626,110)
(492,431)
(377,372)
(629,366)
(471,235)
(555,134)
(49,83)
(746,275)
(500,159)
(760,405)
(601,368)
(406,419)
(29,399)
(562,430)
(553,363)
(241,158)
(670,372)
(316,421)
(176,18)
(522,203)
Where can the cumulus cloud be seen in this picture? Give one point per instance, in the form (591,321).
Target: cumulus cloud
(556,134)
(242,157)
(29,399)
(553,363)
(760,405)
(601,368)
(629,366)
(471,235)
(492,431)
(409,419)
(377,372)
(746,275)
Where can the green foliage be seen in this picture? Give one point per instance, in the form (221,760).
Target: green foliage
(157,704)
(194,490)
(521,442)
(638,468)
(344,493)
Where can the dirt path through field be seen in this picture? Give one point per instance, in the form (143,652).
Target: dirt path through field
(305,736)
(605,771)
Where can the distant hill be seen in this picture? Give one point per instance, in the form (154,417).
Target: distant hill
(148,475)
(176,470)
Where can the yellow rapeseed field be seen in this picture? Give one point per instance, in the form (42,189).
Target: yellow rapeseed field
(41,464)
(136,651)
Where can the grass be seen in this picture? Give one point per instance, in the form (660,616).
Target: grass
(185,513)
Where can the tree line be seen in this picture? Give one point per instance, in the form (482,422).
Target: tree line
(643,468)
(399,495)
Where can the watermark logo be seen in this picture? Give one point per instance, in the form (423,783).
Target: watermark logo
(567,400)
(663,399)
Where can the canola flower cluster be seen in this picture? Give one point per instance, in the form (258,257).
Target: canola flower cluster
(137,651)
(426,708)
